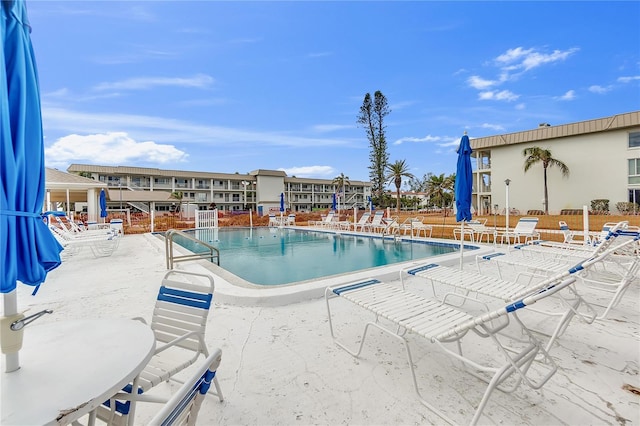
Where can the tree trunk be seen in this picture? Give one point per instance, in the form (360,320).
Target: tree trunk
(546,193)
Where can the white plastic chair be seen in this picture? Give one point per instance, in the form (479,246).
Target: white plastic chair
(184,405)
(179,321)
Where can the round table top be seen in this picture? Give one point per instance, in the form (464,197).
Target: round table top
(69,368)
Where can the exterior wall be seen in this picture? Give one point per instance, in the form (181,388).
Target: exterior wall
(227,191)
(268,193)
(598,165)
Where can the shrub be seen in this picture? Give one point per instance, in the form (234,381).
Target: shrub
(625,207)
(600,206)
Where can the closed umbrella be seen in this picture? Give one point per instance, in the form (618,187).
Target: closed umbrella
(281,206)
(103,205)
(28,250)
(333,203)
(463,188)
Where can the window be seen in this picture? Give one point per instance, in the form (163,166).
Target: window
(634,140)
(634,171)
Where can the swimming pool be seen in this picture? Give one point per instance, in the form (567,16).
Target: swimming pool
(276,256)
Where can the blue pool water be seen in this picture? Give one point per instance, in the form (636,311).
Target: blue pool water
(274,256)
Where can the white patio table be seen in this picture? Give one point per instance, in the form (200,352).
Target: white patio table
(69,368)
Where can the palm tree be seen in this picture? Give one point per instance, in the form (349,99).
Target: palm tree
(395,172)
(340,182)
(536,155)
(439,188)
(177,195)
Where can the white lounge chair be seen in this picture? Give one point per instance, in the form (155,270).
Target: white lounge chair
(362,221)
(544,266)
(290,220)
(183,407)
(415,226)
(521,361)
(325,220)
(467,285)
(100,244)
(525,230)
(474,229)
(375,225)
(179,321)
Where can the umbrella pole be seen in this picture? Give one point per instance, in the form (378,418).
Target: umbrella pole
(12,359)
(461,242)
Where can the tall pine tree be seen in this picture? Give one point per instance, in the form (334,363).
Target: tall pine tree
(371,117)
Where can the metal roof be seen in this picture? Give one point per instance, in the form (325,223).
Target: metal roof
(545,132)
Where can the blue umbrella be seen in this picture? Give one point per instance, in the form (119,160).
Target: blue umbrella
(370,203)
(463,187)
(281,206)
(333,203)
(103,203)
(28,250)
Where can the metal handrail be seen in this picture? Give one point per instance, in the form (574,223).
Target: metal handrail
(211,253)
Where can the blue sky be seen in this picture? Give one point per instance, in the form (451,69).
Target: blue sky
(237,86)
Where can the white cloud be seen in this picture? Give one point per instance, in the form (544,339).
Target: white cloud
(145,83)
(511,64)
(480,83)
(168,130)
(569,96)
(110,148)
(628,79)
(319,54)
(503,95)
(521,106)
(325,128)
(495,127)
(599,89)
(310,171)
(427,138)
(526,59)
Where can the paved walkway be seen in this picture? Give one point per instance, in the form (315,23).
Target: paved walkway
(280,366)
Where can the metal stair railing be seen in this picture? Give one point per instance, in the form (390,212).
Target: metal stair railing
(210,252)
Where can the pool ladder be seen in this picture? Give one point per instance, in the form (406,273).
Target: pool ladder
(392,228)
(210,253)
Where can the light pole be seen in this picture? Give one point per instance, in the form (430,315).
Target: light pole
(495,217)
(244,184)
(507,182)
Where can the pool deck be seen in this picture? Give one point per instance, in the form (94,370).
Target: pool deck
(281,367)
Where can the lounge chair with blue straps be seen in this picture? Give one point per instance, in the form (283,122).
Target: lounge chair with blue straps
(401,313)
(184,405)
(179,322)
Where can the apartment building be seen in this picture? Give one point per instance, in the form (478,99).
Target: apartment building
(146,189)
(603,156)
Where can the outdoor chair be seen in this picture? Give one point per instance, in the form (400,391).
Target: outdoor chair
(415,226)
(524,231)
(375,225)
(325,220)
(179,321)
(100,245)
(362,221)
(461,286)
(543,266)
(520,361)
(474,229)
(184,405)
(291,220)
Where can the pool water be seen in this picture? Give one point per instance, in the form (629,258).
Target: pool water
(275,256)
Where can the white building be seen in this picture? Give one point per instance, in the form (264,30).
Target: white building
(603,156)
(150,188)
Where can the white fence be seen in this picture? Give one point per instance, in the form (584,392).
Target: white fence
(207,218)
